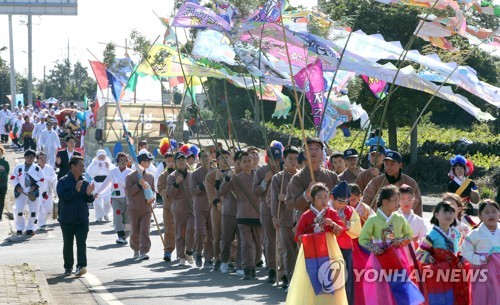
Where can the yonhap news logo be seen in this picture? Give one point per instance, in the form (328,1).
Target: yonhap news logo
(332,275)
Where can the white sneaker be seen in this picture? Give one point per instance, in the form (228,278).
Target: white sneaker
(121,241)
(224,267)
(136,254)
(144,256)
(190,259)
(106,218)
(240,272)
(182,262)
(80,271)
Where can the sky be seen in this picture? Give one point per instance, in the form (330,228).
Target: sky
(97,21)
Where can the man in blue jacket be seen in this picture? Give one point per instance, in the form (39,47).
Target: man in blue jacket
(74,194)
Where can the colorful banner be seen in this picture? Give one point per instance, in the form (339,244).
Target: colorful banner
(192,15)
(337,112)
(311,80)
(376,86)
(271,11)
(215,46)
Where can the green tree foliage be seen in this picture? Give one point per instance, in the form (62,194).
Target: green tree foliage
(4,78)
(67,83)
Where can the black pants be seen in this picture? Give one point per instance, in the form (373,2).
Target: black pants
(29,143)
(5,138)
(70,231)
(3,191)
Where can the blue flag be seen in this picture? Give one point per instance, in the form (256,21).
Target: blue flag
(115,85)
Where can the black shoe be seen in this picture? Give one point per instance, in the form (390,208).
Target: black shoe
(30,233)
(19,232)
(271,277)
(167,257)
(248,274)
(67,271)
(259,263)
(198,261)
(284,282)
(217,265)
(253,273)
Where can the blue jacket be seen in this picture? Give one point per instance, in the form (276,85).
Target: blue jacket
(73,205)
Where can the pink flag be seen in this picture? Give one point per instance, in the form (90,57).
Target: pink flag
(376,86)
(311,80)
(192,15)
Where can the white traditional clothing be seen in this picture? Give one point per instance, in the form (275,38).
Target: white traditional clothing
(49,143)
(417,225)
(99,170)
(5,116)
(47,191)
(37,132)
(116,179)
(26,179)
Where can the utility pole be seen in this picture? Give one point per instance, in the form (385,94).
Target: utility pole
(12,69)
(30,60)
(68,50)
(44,82)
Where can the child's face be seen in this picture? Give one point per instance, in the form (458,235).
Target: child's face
(338,204)
(391,204)
(490,216)
(445,218)
(354,199)
(320,200)
(406,202)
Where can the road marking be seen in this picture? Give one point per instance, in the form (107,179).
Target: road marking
(98,289)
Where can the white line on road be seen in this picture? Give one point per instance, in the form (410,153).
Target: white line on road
(96,287)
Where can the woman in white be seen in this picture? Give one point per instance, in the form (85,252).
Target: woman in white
(47,190)
(99,169)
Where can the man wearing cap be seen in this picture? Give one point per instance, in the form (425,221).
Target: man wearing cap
(143,145)
(201,208)
(116,179)
(168,166)
(5,116)
(140,208)
(353,170)
(49,143)
(98,170)
(352,223)
(182,209)
(63,156)
(393,162)
(337,162)
(261,186)
(47,190)
(376,157)
(283,217)
(247,212)
(26,178)
(223,212)
(298,192)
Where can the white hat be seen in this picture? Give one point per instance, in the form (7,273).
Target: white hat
(101,152)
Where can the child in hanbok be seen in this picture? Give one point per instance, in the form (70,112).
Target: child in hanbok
(340,202)
(439,252)
(463,226)
(482,249)
(385,234)
(359,256)
(319,275)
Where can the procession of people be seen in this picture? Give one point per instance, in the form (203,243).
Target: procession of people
(232,213)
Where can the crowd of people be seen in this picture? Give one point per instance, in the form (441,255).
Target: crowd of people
(229,211)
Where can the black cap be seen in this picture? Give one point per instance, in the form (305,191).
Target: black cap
(381,149)
(350,153)
(179,155)
(311,140)
(394,156)
(275,153)
(29,152)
